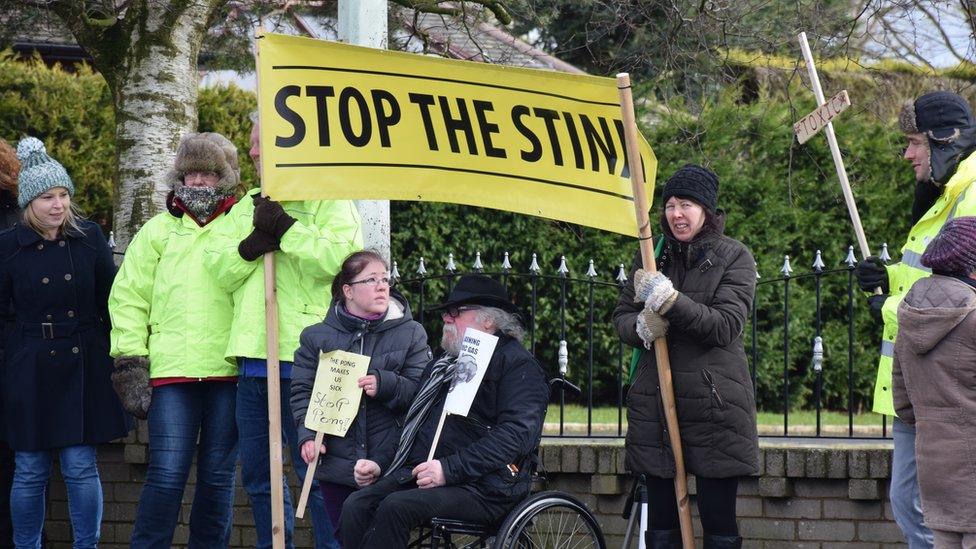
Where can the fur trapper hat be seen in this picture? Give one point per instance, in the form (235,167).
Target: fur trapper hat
(9,168)
(206,152)
(947,122)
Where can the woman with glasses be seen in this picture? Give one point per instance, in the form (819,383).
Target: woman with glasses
(366,317)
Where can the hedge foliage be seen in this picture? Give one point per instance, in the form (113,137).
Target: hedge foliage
(781,199)
(72,114)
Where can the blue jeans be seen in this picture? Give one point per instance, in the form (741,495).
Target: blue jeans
(31,473)
(252,424)
(906,504)
(180,413)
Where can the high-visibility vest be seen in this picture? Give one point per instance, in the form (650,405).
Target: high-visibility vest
(957,200)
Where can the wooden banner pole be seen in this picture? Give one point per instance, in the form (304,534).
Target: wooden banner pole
(660,345)
(845,185)
(274,381)
(309,475)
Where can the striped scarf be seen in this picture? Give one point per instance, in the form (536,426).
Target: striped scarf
(442,372)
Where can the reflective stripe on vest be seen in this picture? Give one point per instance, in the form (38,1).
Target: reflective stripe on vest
(887,348)
(914,259)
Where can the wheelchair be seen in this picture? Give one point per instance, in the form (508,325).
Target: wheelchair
(549,519)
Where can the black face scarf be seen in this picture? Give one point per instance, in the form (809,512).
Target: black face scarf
(202,202)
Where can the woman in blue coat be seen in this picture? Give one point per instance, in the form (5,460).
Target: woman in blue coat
(55,273)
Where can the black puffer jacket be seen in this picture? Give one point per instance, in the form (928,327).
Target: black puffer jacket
(398,351)
(716,276)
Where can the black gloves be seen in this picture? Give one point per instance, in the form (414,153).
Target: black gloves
(270,217)
(871,274)
(875,303)
(257,244)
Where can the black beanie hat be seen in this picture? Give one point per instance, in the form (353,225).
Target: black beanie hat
(694,182)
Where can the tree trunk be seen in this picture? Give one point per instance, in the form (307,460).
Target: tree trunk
(155,93)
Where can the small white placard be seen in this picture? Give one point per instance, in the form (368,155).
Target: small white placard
(476,350)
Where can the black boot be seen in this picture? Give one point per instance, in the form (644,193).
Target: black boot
(662,539)
(722,542)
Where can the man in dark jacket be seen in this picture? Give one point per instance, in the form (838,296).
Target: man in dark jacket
(482,462)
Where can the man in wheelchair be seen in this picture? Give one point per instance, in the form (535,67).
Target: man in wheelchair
(482,464)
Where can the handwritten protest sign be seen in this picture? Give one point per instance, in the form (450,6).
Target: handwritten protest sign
(335,396)
(333,405)
(811,124)
(340,121)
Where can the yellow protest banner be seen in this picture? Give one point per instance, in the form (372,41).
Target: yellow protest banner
(335,396)
(340,121)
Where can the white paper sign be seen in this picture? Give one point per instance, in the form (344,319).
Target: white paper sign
(476,350)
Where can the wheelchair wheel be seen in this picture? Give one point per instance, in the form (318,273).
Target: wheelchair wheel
(550,520)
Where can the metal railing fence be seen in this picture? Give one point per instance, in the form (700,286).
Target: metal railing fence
(569,329)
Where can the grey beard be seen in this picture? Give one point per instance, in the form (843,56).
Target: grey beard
(201,201)
(450,342)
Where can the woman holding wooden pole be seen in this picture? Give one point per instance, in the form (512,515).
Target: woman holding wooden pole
(700,298)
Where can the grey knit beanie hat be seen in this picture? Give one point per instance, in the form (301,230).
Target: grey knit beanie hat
(38,172)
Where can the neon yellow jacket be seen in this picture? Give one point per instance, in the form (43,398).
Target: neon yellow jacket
(165,305)
(326,231)
(957,200)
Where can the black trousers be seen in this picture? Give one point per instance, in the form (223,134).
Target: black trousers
(382,515)
(716,504)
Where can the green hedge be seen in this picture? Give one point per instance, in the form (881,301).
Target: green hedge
(781,199)
(72,114)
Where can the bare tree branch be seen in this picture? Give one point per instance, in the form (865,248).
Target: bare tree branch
(938,27)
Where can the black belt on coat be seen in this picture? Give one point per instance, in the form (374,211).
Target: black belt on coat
(55,330)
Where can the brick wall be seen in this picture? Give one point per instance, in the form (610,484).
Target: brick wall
(810,494)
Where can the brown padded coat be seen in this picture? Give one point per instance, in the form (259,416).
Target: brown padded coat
(716,278)
(934,388)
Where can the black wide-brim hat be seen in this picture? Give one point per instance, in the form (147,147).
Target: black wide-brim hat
(475,289)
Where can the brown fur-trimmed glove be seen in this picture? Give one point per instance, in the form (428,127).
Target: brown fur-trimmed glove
(130,379)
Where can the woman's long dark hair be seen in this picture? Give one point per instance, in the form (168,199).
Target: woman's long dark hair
(352,265)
